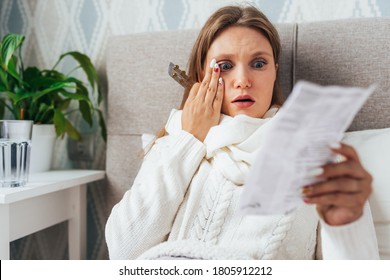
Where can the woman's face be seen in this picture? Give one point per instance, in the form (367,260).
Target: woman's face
(248,70)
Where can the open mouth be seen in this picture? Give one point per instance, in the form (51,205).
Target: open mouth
(243,98)
(243,101)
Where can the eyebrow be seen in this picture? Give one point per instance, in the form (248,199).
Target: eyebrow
(260,53)
(254,55)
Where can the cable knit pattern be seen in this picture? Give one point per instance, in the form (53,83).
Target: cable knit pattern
(204,216)
(190,249)
(218,219)
(278,235)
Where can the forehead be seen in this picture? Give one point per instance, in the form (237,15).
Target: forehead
(239,39)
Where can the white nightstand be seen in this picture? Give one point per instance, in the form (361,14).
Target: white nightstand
(48,198)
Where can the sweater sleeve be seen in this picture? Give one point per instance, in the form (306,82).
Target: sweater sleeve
(353,241)
(144,216)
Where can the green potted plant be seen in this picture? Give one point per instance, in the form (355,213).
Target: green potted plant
(45,95)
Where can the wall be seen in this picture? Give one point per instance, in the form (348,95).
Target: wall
(53,27)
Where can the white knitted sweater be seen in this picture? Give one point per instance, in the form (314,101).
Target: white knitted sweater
(184,203)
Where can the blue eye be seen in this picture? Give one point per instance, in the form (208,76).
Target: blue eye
(259,64)
(225,66)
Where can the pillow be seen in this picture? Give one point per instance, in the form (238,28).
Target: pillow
(373,147)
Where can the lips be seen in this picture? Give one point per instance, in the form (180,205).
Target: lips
(243,101)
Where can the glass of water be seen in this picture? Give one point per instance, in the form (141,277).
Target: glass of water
(15,146)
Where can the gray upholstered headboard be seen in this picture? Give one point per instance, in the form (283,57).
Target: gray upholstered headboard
(141,94)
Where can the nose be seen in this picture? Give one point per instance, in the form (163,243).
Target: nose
(241,79)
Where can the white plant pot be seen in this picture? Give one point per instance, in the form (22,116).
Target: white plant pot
(43,140)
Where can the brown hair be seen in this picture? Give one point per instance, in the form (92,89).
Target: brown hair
(245,16)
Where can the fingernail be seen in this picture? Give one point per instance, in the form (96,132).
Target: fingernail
(339,158)
(216,68)
(305,190)
(335,145)
(212,63)
(220,81)
(315,172)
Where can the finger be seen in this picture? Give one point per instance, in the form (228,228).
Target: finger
(206,80)
(347,151)
(212,88)
(193,91)
(349,167)
(337,199)
(219,95)
(344,184)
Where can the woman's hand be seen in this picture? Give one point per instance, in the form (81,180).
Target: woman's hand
(340,198)
(202,109)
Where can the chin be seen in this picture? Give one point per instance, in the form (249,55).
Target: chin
(248,112)
(244,112)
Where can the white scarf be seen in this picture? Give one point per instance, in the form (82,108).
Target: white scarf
(233,144)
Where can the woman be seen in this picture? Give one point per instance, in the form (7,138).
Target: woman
(184,201)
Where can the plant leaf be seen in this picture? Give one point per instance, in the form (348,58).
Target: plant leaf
(13,72)
(85,112)
(54,87)
(59,122)
(89,70)
(12,96)
(72,131)
(3,105)
(62,126)
(79,86)
(10,43)
(44,114)
(86,64)
(64,104)
(2,108)
(3,80)
(3,87)
(102,125)
(32,76)
(74,96)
